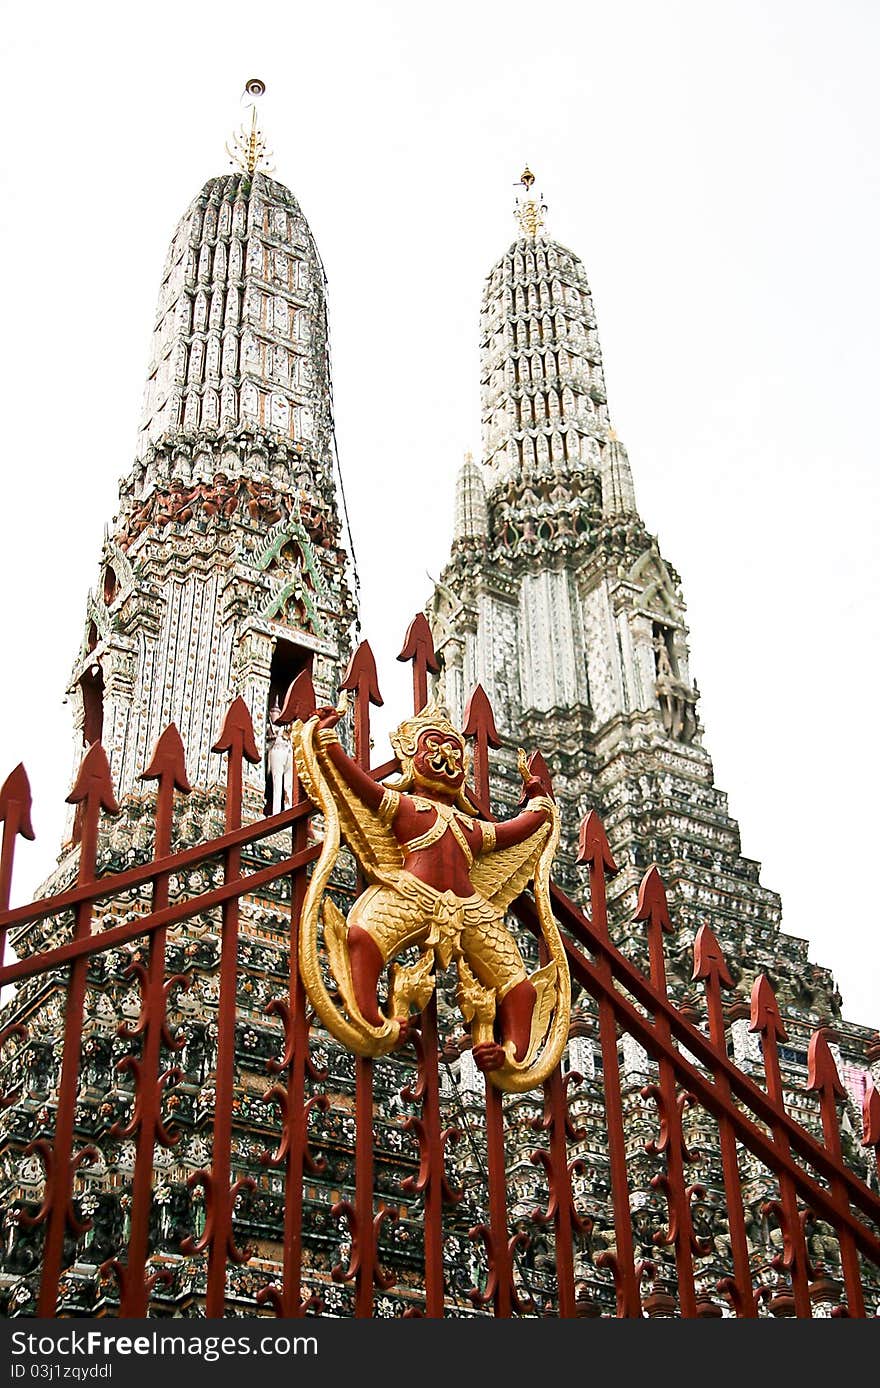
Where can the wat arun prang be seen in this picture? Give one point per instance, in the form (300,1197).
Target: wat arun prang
(558,601)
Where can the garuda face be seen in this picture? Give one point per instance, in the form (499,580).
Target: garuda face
(439,760)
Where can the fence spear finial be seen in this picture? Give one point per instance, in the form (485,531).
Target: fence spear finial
(479,723)
(709,959)
(478,719)
(169,759)
(15,811)
(765,1016)
(361,674)
(94,781)
(652,905)
(653,908)
(822,1074)
(418,646)
(15,803)
(300,701)
(361,677)
(593,845)
(237,733)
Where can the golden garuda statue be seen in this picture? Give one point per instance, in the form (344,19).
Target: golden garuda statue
(440,879)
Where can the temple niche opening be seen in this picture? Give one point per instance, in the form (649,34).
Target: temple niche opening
(92,689)
(288,661)
(676,700)
(664,652)
(111,585)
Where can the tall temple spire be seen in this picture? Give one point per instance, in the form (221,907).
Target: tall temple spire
(542,385)
(240,336)
(223,573)
(573,622)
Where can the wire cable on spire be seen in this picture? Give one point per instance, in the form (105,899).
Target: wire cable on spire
(354,567)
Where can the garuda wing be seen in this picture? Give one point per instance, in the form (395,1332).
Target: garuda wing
(502,873)
(379,854)
(501,876)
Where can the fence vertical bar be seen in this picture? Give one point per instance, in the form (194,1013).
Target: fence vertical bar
(168,766)
(299,704)
(94,791)
(652,909)
(594,851)
(480,724)
(561,1181)
(434,1285)
(418,647)
(823,1079)
(560,1211)
(362,679)
(15,812)
(709,966)
(237,740)
(766,1020)
(871,1121)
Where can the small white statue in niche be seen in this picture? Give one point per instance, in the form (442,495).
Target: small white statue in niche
(279,762)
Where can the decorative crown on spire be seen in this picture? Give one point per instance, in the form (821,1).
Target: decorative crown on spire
(248,150)
(529,211)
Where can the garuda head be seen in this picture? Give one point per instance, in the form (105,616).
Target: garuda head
(432,755)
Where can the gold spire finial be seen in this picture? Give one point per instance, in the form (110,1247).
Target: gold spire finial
(530,212)
(248,150)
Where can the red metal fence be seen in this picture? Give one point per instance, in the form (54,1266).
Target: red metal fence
(807,1180)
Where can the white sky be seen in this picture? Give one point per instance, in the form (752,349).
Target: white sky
(715,167)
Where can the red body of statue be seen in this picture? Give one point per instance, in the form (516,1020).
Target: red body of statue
(438,768)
